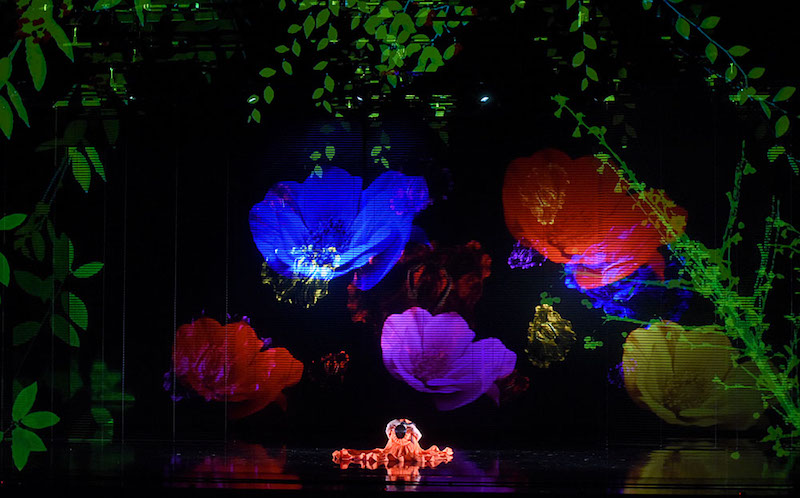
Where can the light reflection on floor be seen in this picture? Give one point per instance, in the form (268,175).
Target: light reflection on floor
(680,467)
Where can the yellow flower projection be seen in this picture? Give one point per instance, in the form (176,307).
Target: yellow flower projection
(671,370)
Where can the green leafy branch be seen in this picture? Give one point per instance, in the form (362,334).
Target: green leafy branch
(389,29)
(734,72)
(588,42)
(37,26)
(23,440)
(743,316)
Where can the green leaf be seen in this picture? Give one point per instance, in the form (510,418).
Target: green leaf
(756,73)
(784,93)
(105,4)
(591,73)
(375,151)
(709,22)
(269,94)
(333,33)
(589,41)
(281,49)
(647,4)
(40,420)
(327,106)
(334,6)
(255,115)
(287,67)
(449,52)
(64,330)
(63,255)
(5,70)
(87,270)
(267,72)
(712,52)
(282,5)
(731,72)
(5,270)
(2,435)
(6,117)
(97,164)
(738,50)
(322,17)
(36,63)
(322,44)
(766,109)
(138,5)
(781,126)
(584,84)
(318,171)
(355,22)
(31,284)
(575,26)
(319,66)
(75,309)
(308,25)
(24,402)
(578,58)
(328,83)
(23,442)
(16,100)
(330,151)
(37,241)
(12,221)
(317,93)
(296,48)
(294,28)
(80,168)
(577,132)
(682,27)
(570,3)
(24,332)
(60,38)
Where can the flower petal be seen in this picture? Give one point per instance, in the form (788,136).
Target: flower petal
(336,195)
(447,334)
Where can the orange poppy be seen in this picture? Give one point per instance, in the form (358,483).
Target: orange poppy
(579,213)
(226,363)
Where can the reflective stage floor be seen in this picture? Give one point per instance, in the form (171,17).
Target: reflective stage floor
(682,467)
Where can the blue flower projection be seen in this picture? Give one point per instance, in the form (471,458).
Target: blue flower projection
(640,296)
(327,226)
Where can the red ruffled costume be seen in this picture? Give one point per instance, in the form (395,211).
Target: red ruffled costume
(402,447)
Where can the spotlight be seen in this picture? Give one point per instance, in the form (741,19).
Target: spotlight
(484,99)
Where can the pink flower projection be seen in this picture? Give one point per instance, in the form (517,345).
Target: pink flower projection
(437,355)
(227,363)
(579,213)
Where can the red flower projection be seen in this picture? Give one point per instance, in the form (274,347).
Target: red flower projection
(434,277)
(227,363)
(579,213)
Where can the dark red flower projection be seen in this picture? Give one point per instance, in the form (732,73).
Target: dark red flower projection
(578,212)
(241,466)
(433,277)
(229,363)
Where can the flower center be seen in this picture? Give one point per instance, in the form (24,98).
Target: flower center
(430,365)
(321,256)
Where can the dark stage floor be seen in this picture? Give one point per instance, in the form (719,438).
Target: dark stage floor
(679,467)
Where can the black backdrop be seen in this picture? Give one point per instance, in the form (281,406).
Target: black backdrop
(171,226)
